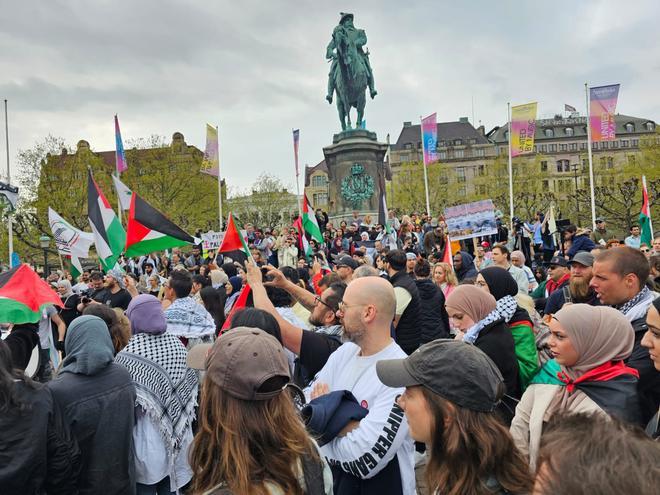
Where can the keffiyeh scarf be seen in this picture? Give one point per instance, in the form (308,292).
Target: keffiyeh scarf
(506,308)
(186,318)
(166,388)
(626,307)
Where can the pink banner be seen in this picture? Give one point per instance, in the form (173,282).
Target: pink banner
(602,106)
(430,138)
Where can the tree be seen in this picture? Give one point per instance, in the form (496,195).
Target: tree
(406,190)
(268,204)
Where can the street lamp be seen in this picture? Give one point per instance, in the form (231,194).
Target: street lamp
(44,242)
(577,201)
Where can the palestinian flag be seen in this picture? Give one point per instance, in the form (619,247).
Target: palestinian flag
(23,296)
(239,303)
(233,240)
(303,244)
(149,230)
(109,235)
(645,216)
(309,221)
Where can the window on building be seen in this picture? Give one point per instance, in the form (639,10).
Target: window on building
(405,157)
(573,146)
(605,144)
(563,147)
(462,191)
(481,170)
(318,181)
(560,165)
(408,146)
(544,166)
(442,155)
(583,146)
(544,148)
(625,143)
(546,185)
(549,133)
(630,127)
(479,152)
(472,141)
(635,143)
(614,144)
(568,131)
(460,174)
(506,135)
(458,142)
(552,148)
(650,126)
(567,166)
(459,153)
(481,189)
(594,146)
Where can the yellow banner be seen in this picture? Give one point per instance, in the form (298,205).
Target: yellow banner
(523,126)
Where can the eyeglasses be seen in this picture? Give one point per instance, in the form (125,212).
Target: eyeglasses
(318,299)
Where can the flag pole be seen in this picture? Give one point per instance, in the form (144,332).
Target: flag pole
(508,106)
(10,225)
(117,173)
(295,151)
(649,203)
(426,178)
(219,181)
(591,163)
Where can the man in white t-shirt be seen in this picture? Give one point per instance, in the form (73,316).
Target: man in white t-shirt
(374,455)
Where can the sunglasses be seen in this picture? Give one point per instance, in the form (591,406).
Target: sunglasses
(645,250)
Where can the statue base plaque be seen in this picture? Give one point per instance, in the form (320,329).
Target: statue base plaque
(355,172)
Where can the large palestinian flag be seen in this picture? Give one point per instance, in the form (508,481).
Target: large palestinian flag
(23,296)
(149,230)
(309,221)
(109,235)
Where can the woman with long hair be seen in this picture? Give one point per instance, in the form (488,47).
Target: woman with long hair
(250,439)
(445,278)
(214,302)
(452,392)
(588,374)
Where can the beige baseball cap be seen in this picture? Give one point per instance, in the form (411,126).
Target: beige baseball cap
(243,362)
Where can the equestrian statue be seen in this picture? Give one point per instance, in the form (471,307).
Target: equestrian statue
(350,72)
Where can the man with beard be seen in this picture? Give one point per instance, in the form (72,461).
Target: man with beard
(313,347)
(619,277)
(375,454)
(578,289)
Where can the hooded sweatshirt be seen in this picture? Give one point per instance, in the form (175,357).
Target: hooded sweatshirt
(467,269)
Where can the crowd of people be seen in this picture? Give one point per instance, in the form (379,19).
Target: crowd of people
(529,364)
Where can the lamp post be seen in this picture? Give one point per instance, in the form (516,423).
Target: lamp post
(577,201)
(44,242)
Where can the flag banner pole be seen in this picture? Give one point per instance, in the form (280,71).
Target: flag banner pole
(10,225)
(296,142)
(220,217)
(425,164)
(591,164)
(649,203)
(508,106)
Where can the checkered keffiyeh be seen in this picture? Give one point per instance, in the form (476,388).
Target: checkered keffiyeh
(186,318)
(506,308)
(166,388)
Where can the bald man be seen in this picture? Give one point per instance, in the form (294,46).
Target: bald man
(374,455)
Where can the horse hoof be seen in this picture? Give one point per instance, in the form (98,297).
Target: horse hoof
(329,98)
(373,94)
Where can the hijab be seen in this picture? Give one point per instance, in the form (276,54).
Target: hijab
(599,334)
(500,282)
(88,346)
(68,292)
(146,315)
(472,301)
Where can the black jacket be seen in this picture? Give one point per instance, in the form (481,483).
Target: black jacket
(100,410)
(408,331)
(497,342)
(433,318)
(38,454)
(648,387)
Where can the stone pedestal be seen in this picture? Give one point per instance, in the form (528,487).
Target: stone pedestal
(356,172)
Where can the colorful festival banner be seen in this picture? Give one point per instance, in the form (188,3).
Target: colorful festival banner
(602,105)
(523,127)
(211,163)
(296,140)
(430,138)
(471,220)
(120,156)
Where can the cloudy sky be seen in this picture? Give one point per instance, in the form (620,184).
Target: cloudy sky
(257,68)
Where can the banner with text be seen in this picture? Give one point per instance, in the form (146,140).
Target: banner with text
(602,106)
(211,240)
(430,138)
(523,127)
(471,220)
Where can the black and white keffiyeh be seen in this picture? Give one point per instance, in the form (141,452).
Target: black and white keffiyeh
(505,309)
(643,294)
(166,388)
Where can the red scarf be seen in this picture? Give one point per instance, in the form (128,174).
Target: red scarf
(552,286)
(601,373)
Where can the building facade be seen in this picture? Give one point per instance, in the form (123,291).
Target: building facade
(316,185)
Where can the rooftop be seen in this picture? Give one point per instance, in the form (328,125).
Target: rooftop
(447,131)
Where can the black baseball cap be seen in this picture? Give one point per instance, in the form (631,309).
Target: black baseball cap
(346,260)
(454,370)
(558,260)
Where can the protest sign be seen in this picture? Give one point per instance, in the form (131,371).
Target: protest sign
(471,220)
(211,240)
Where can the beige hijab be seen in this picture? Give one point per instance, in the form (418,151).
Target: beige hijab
(599,334)
(471,301)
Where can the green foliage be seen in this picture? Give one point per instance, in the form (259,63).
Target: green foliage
(268,204)
(406,190)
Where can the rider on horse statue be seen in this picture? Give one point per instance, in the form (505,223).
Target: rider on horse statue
(359,38)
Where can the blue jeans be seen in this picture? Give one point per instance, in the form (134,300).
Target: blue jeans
(160,488)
